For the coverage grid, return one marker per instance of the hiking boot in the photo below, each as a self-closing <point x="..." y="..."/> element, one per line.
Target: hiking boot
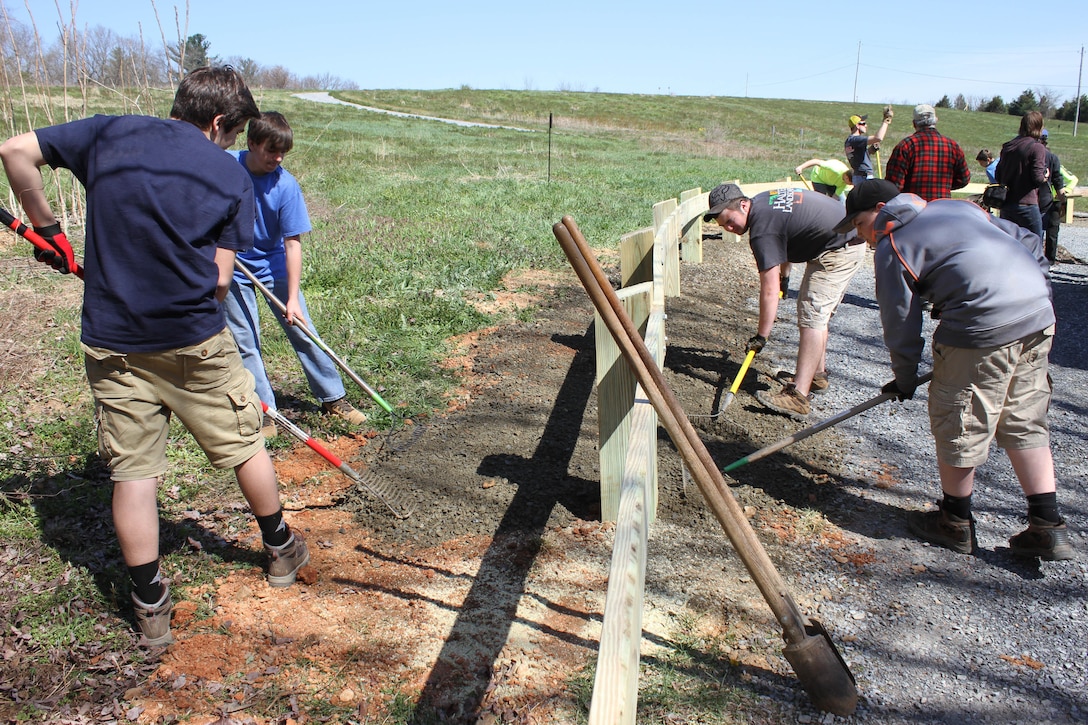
<point x="786" y="401"/>
<point x="268" y="427"/>
<point x="285" y="561"/>
<point x="819" y="380"/>
<point x="154" y="619"/>
<point x="341" y="408"/>
<point x="943" y="529"/>
<point x="1044" y="540"/>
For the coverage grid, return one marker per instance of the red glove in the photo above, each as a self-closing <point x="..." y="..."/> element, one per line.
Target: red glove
<point x="61" y="257"/>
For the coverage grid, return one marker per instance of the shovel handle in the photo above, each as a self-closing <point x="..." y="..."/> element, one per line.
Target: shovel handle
<point x="313" y="336"/>
<point x="705" y="472"/>
<point x="806" y="432"/>
<point x="13" y="223"/>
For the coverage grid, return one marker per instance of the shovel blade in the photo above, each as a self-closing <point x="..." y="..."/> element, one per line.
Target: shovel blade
<point x="822" y="671"/>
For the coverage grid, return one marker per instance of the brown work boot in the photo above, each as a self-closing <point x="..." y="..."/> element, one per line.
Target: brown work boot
<point x="268" y="427"/>
<point x="341" y="408"/>
<point x="154" y="619"/>
<point x="819" y="380"/>
<point x="285" y="561"/>
<point x="1044" y="540"/>
<point x="786" y="401"/>
<point x="943" y="529"/>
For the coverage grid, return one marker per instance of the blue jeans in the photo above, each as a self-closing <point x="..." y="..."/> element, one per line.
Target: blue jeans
<point x="241" y="308"/>
<point x="1026" y="216"/>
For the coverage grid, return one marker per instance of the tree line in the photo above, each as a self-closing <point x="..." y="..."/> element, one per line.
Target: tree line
<point x="98" y="56"/>
<point x="1044" y="102"/>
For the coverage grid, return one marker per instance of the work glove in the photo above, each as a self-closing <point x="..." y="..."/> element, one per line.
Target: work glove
<point x="888" y="113"/>
<point x="755" y="344"/>
<point x="893" y="389"/>
<point x="60" y="257"/>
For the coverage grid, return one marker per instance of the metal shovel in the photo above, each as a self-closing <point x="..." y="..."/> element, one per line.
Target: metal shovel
<point x="809" y="649"/>
<point x="732" y="392"/>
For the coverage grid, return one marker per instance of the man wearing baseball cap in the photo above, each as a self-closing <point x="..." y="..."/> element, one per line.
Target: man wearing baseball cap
<point x="784" y="226"/>
<point x="858" y="142"/>
<point x="990" y="350"/>
<point x="927" y="163"/>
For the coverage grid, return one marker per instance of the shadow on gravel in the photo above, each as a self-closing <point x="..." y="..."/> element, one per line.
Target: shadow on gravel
<point x="1070" y="302"/>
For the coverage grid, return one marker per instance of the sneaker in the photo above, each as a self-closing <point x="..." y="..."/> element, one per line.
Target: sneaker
<point x="268" y="427"/>
<point x="285" y="561"/>
<point x="341" y="408"/>
<point x="819" y="380"/>
<point x="943" y="529"/>
<point x="154" y="619"/>
<point x="786" y="401"/>
<point x="1044" y="540"/>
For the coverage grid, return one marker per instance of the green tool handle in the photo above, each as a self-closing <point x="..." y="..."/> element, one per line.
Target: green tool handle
<point x="313" y="336"/>
<point x="805" y="433"/>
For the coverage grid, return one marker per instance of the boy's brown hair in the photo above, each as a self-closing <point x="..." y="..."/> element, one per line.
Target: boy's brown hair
<point x="211" y="91"/>
<point x="271" y="126"/>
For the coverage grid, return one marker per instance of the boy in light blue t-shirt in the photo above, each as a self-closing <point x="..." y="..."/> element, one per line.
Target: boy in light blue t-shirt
<point x="276" y="261"/>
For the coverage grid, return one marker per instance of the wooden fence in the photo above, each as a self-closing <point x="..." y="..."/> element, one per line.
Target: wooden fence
<point x="627" y="424"/>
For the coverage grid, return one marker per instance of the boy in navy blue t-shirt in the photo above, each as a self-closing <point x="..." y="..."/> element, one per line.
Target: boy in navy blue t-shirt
<point x="167" y="210"/>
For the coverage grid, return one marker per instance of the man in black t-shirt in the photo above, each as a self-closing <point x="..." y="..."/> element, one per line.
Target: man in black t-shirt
<point x="785" y="226"/>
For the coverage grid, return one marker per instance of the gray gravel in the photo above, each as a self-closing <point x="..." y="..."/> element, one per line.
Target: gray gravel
<point x="933" y="636"/>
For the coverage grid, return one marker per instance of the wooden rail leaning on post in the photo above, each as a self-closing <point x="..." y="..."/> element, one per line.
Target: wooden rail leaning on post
<point x="818" y="665"/>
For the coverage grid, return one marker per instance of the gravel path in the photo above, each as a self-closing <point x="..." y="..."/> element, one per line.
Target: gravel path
<point x="933" y="636"/>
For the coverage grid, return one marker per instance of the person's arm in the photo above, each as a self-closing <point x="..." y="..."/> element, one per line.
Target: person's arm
<point x="896" y="170"/>
<point x="1039" y="171"/>
<point x="224" y="259"/>
<point x="293" y="248"/>
<point x="23" y="159"/>
<point x="769" y="286"/>
<point x="807" y="165"/>
<point x="877" y="137"/>
<point x="961" y="174"/>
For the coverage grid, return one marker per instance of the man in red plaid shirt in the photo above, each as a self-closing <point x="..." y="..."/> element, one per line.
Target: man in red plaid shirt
<point x="927" y="163"/>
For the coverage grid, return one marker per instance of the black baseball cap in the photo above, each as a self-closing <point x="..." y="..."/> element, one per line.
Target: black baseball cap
<point x="720" y="196"/>
<point x="864" y="197"/>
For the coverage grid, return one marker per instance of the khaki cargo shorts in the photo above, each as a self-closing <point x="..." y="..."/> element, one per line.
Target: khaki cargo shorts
<point x="824" y="284"/>
<point x="205" y="385"/>
<point x="1002" y="394"/>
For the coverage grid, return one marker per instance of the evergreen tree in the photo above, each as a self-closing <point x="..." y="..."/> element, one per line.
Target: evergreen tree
<point x="1024" y="104"/>
<point x="994" y="105"/>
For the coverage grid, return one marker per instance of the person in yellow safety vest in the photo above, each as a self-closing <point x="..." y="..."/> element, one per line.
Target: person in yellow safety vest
<point x="828" y="176"/>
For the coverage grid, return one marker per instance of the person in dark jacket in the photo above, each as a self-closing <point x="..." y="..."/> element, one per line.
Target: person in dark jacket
<point x="1050" y="201"/>
<point x="990" y="350"/>
<point x="1023" y="170"/>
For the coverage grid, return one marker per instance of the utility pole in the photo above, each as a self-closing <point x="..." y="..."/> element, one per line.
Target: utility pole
<point x="857" y="67"/>
<point x="1076" y="116"/>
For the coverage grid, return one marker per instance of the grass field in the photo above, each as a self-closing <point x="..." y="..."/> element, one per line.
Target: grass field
<point x="415" y="222"/>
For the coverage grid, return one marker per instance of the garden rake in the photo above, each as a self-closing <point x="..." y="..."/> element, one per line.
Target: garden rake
<point x="383" y="490"/>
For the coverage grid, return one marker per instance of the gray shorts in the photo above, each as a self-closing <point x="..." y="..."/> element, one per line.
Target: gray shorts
<point x="824" y="284"/>
<point x="205" y="385"/>
<point x="978" y="396"/>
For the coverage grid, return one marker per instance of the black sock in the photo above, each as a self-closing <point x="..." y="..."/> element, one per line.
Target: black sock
<point x="146" y="582"/>
<point x="274" y="529"/>
<point x="958" y="506"/>
<point x="1044" y="506"/>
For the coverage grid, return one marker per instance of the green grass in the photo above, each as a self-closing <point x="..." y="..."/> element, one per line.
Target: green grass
<point x="413" y="220"/>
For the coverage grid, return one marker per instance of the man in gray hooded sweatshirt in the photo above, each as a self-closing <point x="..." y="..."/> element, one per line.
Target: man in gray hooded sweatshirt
<point x="990" y="350"/>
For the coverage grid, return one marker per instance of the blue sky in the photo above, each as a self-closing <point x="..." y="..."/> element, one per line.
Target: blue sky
<point x="908" y="53"/>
